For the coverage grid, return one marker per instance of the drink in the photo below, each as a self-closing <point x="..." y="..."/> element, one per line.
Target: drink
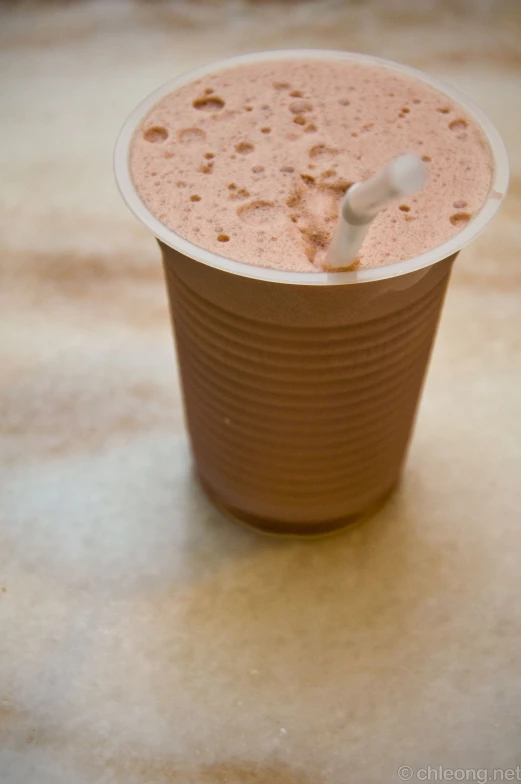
<point x="252" y="162"/>
<point x="300" y="387"/>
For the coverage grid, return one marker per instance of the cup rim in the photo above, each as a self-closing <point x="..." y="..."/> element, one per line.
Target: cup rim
<point x="497" y="191"/>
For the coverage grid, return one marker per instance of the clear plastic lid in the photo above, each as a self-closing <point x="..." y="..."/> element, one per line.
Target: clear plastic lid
<point x="498" y="187"/>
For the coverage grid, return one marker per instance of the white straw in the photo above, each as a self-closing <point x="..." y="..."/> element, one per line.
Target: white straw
<point x="401" y="177"/>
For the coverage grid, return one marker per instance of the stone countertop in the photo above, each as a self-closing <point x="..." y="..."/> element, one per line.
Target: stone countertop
<point x="144" y="638"/>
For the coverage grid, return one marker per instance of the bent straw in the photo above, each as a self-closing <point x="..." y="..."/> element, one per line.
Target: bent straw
<point x="401" y="177"/>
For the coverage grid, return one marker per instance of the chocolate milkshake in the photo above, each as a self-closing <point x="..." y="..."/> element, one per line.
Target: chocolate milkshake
<point x="252" y="162"/>
<point x="301" y="387"/>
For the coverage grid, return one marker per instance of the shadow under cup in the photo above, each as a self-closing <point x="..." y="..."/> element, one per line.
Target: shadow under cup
<point x="301" y="389"/>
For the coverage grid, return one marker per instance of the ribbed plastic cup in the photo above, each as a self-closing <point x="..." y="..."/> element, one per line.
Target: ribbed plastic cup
<point x="301" y="389"/>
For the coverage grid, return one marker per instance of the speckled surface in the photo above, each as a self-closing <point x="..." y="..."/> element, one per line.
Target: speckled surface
<point x="259" y="157"/>
<point x="144" y="637"/>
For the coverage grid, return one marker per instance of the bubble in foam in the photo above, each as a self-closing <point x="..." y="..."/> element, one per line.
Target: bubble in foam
<point x="458" y="125"/>
<point x="344" y="102"/>
<point x="300" y="107"/>
<point x="322" y="151"/>
<point x="223" y="117"/>
<point x="426" y="158"/>
<point x="460" y="219"/>
<point x="281" y="85"/>
<point x="244" y="148"/>
<point x="443" y="109"/>
<point x="239" y="195"/>
<point x="308" y="179"/>
<point x="209" y="156"/>
<point x="209" y="103"/>
<point x="266" y="129"/>
<point x="296" y="93"/>
<point x="223" y="238"/>
<point x="405" y="208"/>
<point x="156" y="134"/>
<point x="195" y="197"/>
<point x="310" y="128"/>
<point x="258" y="213"/>
<point x="300" y="119"/>
<point x="257" y="169"/>
<point x="460" y="204"/>
<point x="191" y="135"/>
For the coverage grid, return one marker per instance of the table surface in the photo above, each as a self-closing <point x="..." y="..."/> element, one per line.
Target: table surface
<point x="144" y="638"/>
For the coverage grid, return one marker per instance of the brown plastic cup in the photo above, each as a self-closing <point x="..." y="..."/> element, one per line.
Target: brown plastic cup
<point x="301" y="389"/>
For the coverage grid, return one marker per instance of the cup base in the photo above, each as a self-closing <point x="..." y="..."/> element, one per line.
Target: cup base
<point x="281" y="528"/>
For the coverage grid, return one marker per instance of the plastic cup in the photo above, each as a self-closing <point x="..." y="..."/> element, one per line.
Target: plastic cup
<point x="301" y="389"/>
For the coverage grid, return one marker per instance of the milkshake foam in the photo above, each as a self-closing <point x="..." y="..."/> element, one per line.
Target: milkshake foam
<point x="252" y="162"/>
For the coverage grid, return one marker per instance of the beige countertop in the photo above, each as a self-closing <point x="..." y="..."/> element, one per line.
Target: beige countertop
<point x="144" y="639"/>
